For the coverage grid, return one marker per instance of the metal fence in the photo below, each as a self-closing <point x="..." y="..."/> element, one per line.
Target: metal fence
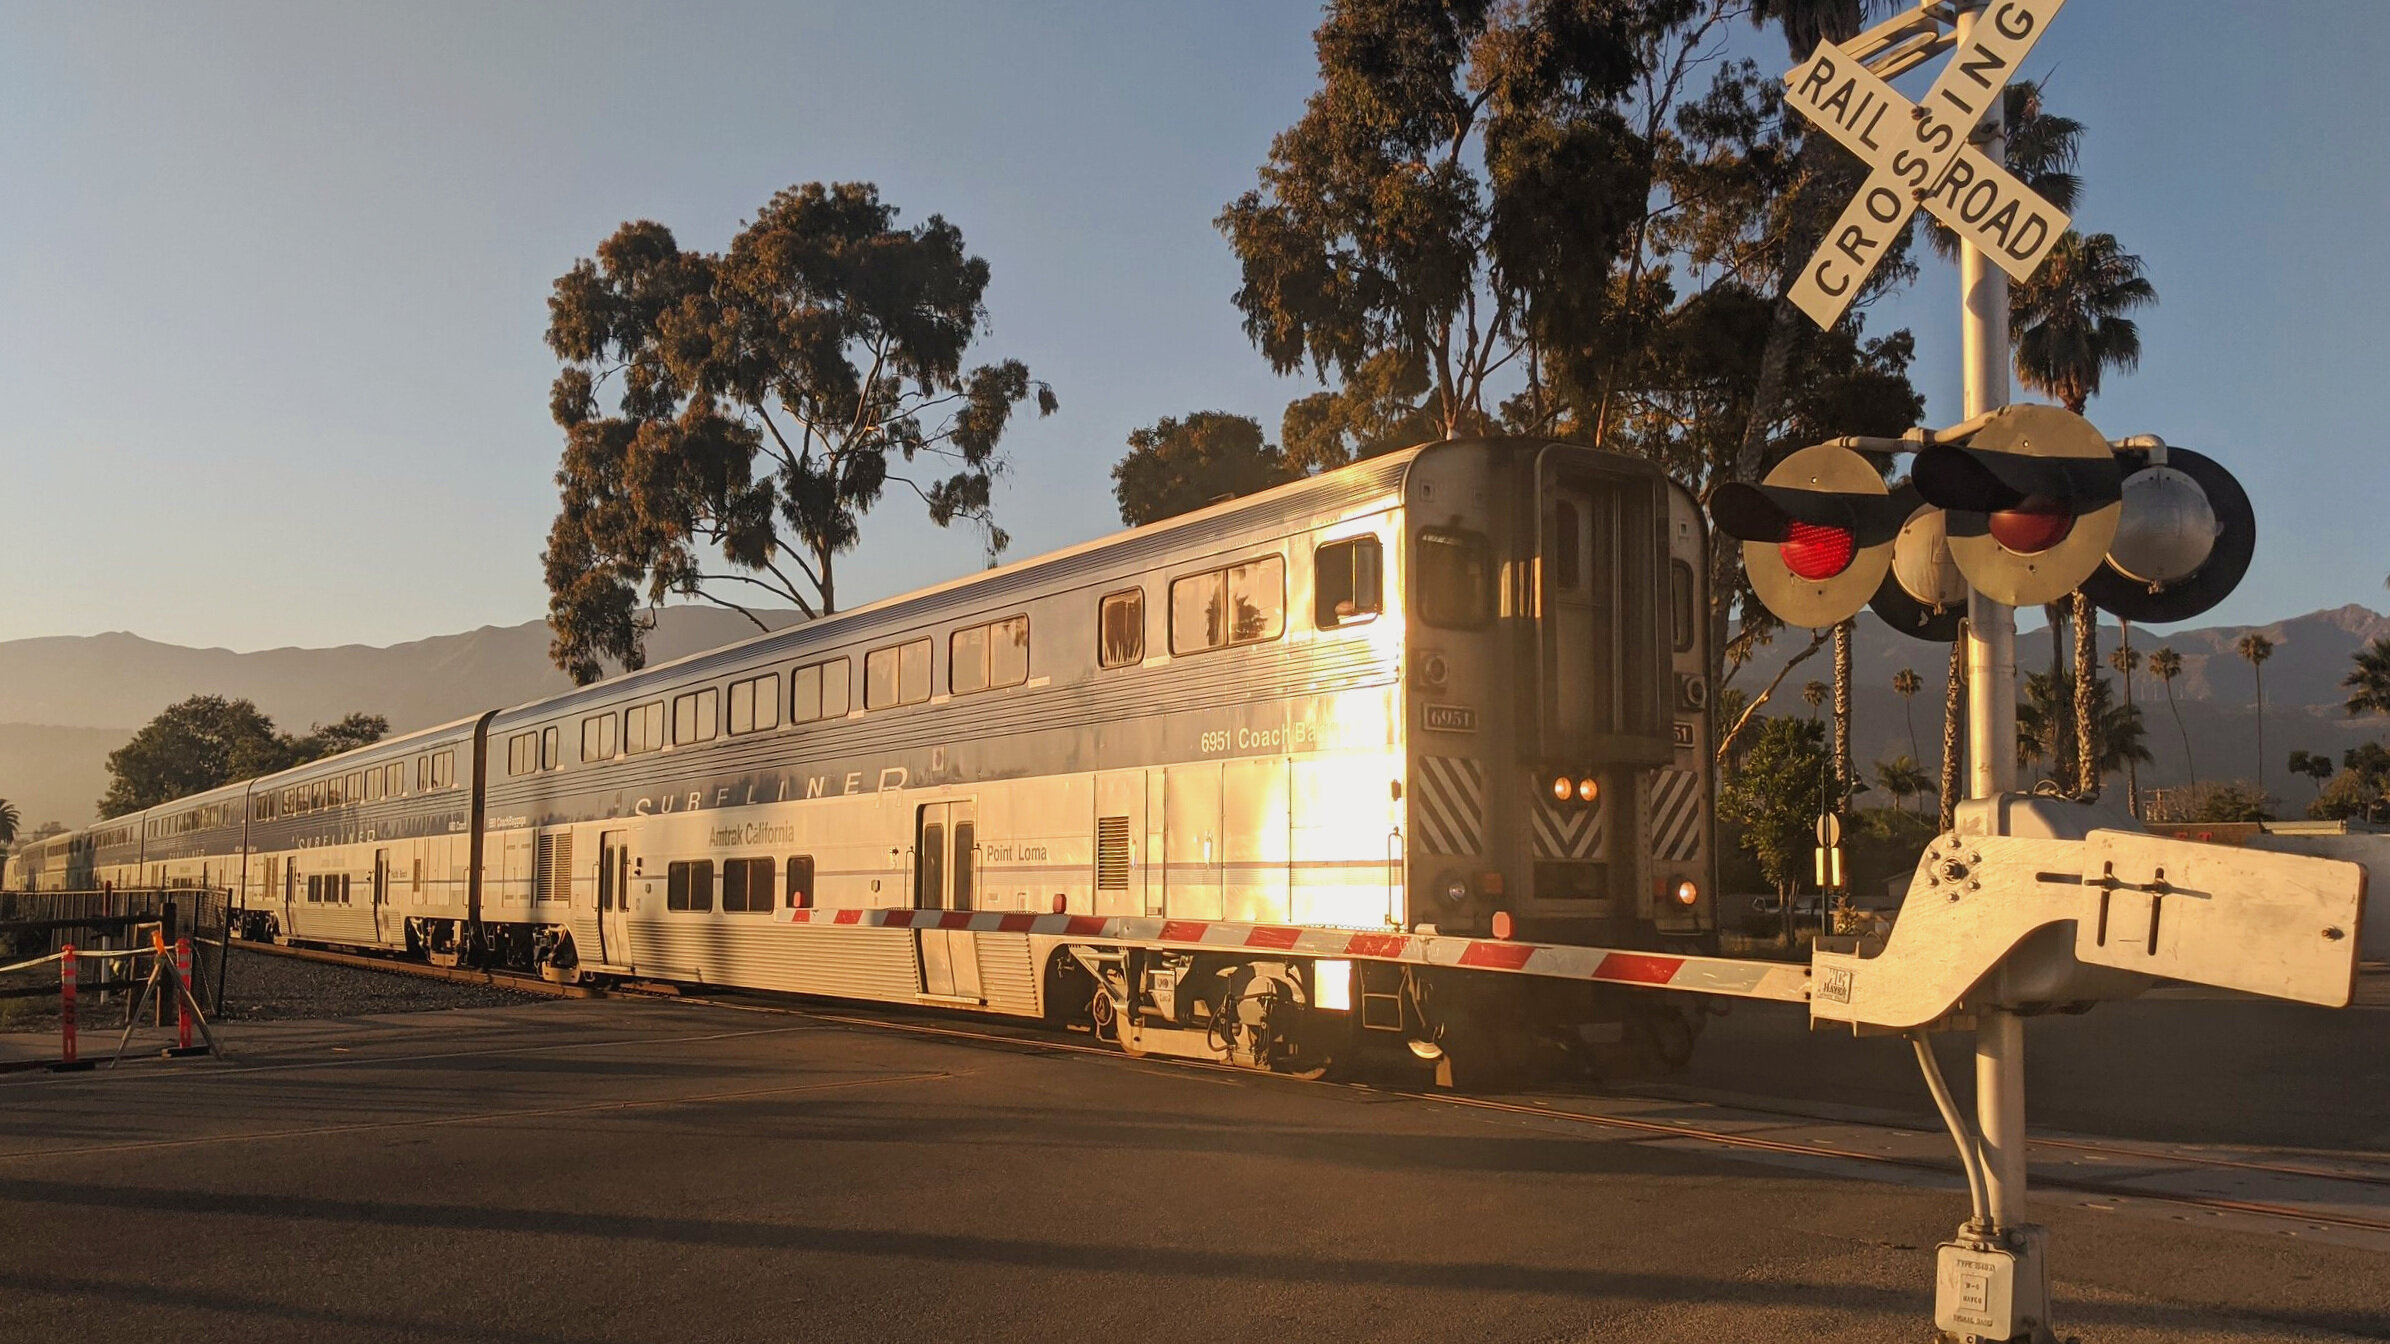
<point x="38" y="923"/>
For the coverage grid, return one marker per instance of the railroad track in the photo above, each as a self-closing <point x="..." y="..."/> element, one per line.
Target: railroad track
<point x="1024" y="1037"/>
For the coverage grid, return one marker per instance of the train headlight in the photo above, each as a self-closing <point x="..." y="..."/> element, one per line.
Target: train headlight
<point x="1456" y="889"/>
<point x="1563" y="789"/>
<point x="1687" y="892"/>
<point x="1588" y="789"/>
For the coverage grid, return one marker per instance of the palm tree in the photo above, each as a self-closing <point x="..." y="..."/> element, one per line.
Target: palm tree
<point x="2165" y="664"/>
<point x="2257" y="648"/>
<point x="2369" y="684"/>
<point x="1954" y="712"/>
<point x="2068" y="322"/>
<point x="1903" y="779"/>
<point x="2125" y="661"/>
<point x="1813" y="694"/>
<point x="1905" y="684"/>
<point x="8" y="822"/>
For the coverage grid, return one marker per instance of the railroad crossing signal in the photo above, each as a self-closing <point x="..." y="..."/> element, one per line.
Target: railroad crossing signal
<point x="2032" y="501"/>
<point x="2183" y="543"/>
<point x="1921" y="153"/>
<point x="1817" y="533"/>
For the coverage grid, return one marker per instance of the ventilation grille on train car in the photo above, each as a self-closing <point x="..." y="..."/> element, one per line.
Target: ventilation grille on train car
<point x="1112" y="854"/>
<point x="555" y="866"/>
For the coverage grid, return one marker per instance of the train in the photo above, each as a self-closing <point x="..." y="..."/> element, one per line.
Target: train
<point x="1457" y="690"/>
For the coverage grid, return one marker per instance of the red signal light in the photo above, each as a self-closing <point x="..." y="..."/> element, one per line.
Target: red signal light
<point x="2031" y="527"/>
<point x="1815" y="552"/>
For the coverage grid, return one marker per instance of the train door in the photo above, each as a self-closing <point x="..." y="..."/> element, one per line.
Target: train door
<point x="945" y="877"/>
<point x="1191" y="841"/>
<point x="290" y="910"/>
<point x="613" y="899"/>
<point x="382" y="919"/>
<point x="1582" y="587"/>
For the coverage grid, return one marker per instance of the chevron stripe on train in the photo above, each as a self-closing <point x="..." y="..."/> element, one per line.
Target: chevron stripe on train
<point x="1786" y="983"/>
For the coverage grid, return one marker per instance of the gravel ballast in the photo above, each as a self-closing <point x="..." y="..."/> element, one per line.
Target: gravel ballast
<point x="262" y="987"/>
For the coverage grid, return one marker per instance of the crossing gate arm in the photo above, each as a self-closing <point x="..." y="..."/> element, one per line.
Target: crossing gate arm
<point x="2005" y="921"/>
<point x="1779" y="981"/>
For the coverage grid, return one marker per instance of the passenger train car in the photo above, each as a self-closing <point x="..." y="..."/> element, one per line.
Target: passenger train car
<point x="1457" y="689"/>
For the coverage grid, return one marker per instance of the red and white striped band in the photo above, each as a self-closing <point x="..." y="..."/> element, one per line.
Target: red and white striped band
<point x="1788" y="983"/>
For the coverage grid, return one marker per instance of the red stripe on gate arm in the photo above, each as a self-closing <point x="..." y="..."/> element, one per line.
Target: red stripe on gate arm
<point x="1496" y="956"/>
<point x="955" y="919"/>
<point x="849" y="917"/>
<point x="1086" y="926"/>
<point x="1638" y="968"/>
<point x="1376" y="945"/>
<point x="1016" y="923"/>
<point x="1271" y="935"/>
<point x="1182" y="930"/>
<point x="897" y="919"/>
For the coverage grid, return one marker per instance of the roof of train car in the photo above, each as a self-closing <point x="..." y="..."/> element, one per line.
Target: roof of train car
<point x="455" y="730"/>
<point x="1371" y="479"/>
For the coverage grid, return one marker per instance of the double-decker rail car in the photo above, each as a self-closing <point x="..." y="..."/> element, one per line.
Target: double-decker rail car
<point x="373" y="848"/>
<point x="1453" y="690"/>
<point x="196" y="841"/>
<point x="43" y="865"/>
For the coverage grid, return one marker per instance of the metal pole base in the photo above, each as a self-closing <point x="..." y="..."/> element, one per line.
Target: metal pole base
<point x="1994" y="1286"/>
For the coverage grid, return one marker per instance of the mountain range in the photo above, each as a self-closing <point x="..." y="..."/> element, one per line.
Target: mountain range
<point x="67" y="701"/>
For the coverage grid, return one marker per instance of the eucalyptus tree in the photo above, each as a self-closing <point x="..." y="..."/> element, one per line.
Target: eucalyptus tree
<point x="764" y="399"/>
<point x="1175" y="466"/>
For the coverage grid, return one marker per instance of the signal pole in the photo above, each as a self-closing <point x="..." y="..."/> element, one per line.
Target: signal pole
<point x="1991" y="695"/>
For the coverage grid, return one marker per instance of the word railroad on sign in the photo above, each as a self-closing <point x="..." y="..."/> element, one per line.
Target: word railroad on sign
<point x="1921" y="153"/>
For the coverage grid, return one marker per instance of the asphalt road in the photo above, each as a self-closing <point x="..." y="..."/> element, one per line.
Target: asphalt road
<point x="576" y="1172"/>
<point x="2186" y="1066"/>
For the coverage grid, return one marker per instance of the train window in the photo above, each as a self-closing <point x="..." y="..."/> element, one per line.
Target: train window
<point x="423" y="774"/>
<point x="747" y="886"/>
<point x="315" y="887"/>
<point x="820" y="691"/>
<point x="549" y="745"/>
<point x="800" y="881"/>
<point x="319" y="795"/>
<point x="597" y="738"/>
<point x="522" y="754"/>
<point x="1123" y="638"/>
<point x="696" y="717"/>
<point x="643" y="728"/>
<point x="689" y="886"/>
<point x="967" y="660"/>
<point x="443" y="769"/>
<point x="356" y="788"/>
<point x="1453" y="571"/>
<point x="1347" y="582"/>
<point x="1242" y="604"/>
<point x="896" y="675"/>
<point x="755" y="704"/>
<point x="1681" y="620"/>
<point x="373" y="786"/>
<point x="394" y="780"/>
<point x="290" y="801"/>
<point x="988" y="657"/>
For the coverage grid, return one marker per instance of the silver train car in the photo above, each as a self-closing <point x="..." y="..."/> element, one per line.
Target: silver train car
<point x="1457" y="689"/>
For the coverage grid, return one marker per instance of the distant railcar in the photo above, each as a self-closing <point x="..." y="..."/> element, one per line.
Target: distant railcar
<point x="1456" y="689"/>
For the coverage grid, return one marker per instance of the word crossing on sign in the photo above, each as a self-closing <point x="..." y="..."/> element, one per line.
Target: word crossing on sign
<point x="1920" y="154"/>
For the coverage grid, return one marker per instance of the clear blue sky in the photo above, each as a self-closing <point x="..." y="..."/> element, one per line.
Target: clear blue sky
<point x="273" y="278"/>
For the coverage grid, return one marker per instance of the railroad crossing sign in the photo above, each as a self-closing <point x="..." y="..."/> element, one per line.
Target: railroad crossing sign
<point x="1922" y="154"/>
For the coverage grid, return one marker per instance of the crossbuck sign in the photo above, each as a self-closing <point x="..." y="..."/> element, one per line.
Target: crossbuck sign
<point x="1922" y="154"/>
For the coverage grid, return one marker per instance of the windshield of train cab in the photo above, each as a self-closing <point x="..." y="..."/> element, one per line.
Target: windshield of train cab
<point x="1454" y="578"/>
